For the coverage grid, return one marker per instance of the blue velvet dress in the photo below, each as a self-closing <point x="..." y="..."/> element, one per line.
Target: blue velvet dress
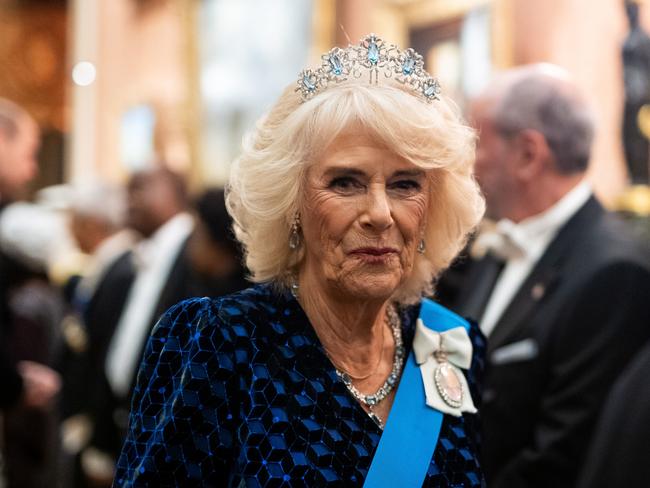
<point x="238" y="391"/>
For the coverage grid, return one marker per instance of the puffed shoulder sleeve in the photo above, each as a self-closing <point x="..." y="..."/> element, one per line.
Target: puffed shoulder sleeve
<point x="183" y="411"/>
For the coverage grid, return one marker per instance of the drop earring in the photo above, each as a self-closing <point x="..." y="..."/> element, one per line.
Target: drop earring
<point x="294" y="287"/>
<point x="421" y="246"/>
<point x="294" y="236"/>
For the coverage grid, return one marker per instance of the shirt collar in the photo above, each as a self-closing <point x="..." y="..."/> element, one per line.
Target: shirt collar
<point x="174" y="230"/>
<point x="541" y="228"/>
<point x="113" y="245"/>
<point x="178" y="223"/>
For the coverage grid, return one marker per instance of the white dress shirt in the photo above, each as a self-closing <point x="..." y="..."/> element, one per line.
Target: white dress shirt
<point x="154" y="258"/>
<point x="529" y="239"/>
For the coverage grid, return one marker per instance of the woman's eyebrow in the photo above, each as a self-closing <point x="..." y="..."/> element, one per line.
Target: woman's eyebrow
<point x="414" y="173"/>
<point x="339" y="171"/>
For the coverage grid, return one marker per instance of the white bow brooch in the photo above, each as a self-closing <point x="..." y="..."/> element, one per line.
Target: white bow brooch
<point x="440" y="357"/>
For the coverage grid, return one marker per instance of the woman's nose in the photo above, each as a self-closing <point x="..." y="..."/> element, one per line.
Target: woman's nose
<point x="377" y="214"/>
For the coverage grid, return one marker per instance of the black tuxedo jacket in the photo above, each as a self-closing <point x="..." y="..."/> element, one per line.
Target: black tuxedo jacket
<point x="619" y="451"/>
<point x="101" y="317"/>
<point x="583" y="311"/>
<point x="110" y="412"/>
<point x="13" y="274"/>
<point x="11" y="383"/>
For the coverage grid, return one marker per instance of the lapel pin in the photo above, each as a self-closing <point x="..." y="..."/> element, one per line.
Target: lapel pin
<point x="537" y="292"/>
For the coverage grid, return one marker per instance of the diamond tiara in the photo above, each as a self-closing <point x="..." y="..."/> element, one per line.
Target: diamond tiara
<point x="372" y="54"/>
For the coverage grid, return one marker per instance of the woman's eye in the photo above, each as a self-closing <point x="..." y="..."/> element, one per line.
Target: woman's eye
<point x="406" y="186"/>
<point x="345" y="183"/>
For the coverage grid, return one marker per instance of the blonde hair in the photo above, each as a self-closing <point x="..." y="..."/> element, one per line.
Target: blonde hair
<point x="266" y="180"/>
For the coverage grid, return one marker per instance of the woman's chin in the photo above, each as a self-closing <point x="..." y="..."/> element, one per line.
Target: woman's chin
<point x="372" y="287"/>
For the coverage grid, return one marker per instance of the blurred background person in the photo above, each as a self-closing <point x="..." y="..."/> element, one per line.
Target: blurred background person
<point x="19" y="144"/>
<point x="177" y="257"/>
<point x="562" y="290"/>
<point x="133" y="291"/>
<point x="97" y="222"/>
<point x="28" y="310"/>
<point x="18" y="147"/>
<point x="31" y="234"/>
<point x="97" y="219"/>
<point x="216" y="258"/>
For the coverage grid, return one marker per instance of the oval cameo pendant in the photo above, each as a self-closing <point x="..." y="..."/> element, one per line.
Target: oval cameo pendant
<point x="448" y="385"/>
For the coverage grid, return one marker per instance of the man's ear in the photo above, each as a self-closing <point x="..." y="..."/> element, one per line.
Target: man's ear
<point x="534" y="154"/>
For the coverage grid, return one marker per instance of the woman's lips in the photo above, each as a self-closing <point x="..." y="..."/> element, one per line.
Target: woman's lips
<point x="375" y="251"/>
<point x="374" y="254"/>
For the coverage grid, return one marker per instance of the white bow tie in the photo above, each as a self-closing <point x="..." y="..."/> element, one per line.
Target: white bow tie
<point x="458" y="350"/>
<point x="502" y="239"/>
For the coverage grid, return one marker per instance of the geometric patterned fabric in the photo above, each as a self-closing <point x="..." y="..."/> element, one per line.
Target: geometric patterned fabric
<point x="238" y="391"/>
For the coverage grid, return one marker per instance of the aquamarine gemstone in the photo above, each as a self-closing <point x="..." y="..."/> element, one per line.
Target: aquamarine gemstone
<point x="373" y="53"/>
<point x="336" y="65"/>
<point x="307" y="83"/>
<point x="371" y="400"/>
<point x="408" y="65"/>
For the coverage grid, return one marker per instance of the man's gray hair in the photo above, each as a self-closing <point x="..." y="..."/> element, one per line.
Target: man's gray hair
<point x="100" y="201"/>
<point x="546" y="104"/>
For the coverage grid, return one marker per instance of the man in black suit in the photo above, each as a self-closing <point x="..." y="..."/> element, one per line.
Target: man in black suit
<point x="619" y="451"/>
<point x="27" y="387"/>
<point x="32" y="383"/>
<point x="562" y="292"/>
<point x="133" y="293"/>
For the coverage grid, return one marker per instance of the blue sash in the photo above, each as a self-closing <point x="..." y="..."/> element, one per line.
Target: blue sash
<point x="410" y="436"/>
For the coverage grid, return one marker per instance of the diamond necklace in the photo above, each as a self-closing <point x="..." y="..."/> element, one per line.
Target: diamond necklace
<point x="384" y="390"/>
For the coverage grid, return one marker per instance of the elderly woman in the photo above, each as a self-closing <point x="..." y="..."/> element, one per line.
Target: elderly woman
<point x="350" y="196"/>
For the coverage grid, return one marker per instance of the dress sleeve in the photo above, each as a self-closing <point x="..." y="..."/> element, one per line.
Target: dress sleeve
<point x="475" y="372"/>
<point x="181" y="428"/>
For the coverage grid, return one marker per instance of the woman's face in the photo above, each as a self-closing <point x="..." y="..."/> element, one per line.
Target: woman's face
<point x="362" y="218"/>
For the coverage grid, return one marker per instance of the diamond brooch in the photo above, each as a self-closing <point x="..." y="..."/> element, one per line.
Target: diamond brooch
<point x="446" y="379"/>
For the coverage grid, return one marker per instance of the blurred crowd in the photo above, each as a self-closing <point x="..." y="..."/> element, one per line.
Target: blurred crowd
<point x="84" y="274"/>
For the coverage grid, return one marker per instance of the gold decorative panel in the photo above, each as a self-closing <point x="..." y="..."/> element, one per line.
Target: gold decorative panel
<point x="33" y="60"/>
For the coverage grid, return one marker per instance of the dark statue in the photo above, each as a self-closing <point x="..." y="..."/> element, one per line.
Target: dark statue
<point x="636" y="73"/>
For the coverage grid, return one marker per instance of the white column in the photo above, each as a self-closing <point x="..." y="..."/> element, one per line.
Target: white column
<point x="81" y="152"/>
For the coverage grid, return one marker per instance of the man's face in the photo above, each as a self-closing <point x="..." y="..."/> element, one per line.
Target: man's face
<point x="18" y="163"/>
<point x="151" y="202"/>
<point x="495" y="162"/>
